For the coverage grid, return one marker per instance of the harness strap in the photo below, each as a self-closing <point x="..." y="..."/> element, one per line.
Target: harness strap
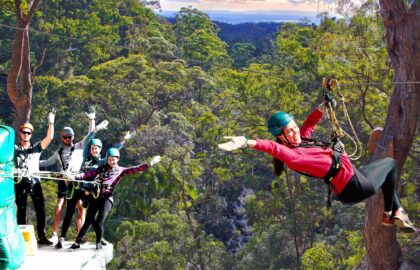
<point x="334" y="169"/>
<point x="335" y="165"/>
<point x="60" y="153"/>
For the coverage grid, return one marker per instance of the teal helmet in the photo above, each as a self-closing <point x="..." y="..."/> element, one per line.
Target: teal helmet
<point x="112" y="152"/>
<point x="96" y="142"/>
<point x="277" y="122"/>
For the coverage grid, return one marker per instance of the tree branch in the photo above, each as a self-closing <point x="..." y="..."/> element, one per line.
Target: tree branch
<point x="31" y="12"/>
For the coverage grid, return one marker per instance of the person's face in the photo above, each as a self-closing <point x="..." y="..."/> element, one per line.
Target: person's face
<point x="25" y="134"/>
<point x="291" y="133"/>
<point x="67" y="139"/>
<point x="113" y="161"/>
<point x="95" y="150"/>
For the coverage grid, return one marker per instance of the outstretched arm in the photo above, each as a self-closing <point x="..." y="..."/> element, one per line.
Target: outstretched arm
<point x="141" y="167"/>
<point x="50" y="133"/>
<point x="50" y="161"/>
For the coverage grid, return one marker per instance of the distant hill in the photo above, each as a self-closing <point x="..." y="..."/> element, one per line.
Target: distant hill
<point x="259" y="34"/>
<point x="254" y="16"/>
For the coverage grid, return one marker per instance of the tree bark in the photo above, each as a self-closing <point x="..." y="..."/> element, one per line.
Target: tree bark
<point x="401" y="24"/>
<point x="19" y="79"/>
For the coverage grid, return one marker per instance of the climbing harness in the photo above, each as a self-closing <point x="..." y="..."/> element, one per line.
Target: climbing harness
<point x="335" y="165"/>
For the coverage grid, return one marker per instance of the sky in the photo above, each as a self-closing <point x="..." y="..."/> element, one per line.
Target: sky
<point x="250" y="5"/>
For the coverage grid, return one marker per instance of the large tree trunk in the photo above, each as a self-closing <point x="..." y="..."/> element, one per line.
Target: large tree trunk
<point x="19" y="80"/>
<point x="402" y="26"/>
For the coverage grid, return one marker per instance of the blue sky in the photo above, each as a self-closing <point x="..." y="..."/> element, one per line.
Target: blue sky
<point x="251" y="5"/>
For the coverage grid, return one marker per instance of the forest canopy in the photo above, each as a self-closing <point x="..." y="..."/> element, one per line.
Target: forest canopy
<point x="182" y="87"/>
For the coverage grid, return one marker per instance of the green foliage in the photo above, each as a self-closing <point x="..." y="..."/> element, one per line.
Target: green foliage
<point x="197" y="38"/>
<point x="242" y="54"/>
<point x="200" y="205"/>
<point x="318" y="257"/>
<point x="164" y="241"/>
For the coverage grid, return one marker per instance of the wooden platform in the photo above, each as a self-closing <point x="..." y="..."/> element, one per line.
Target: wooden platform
<point x="86" y="258"/>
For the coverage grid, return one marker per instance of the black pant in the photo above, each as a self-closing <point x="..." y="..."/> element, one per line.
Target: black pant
<point x="22" y="190"/>
<point x="96" y="214"/>
<point x="71" y="206"/>
<point x="378" y="174"/>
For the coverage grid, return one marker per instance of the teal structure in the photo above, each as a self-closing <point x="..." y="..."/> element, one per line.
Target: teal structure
<point x="12" y="245"/>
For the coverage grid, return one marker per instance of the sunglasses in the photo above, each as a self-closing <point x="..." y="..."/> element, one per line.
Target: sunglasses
<point x="26" y="132"/>
<point x="67" y="137"/>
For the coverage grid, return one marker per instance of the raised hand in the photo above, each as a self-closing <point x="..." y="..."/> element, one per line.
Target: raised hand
<point x="130" y="135"/>
<point x="51" y="116"/>
<point x="235" y="142"/>
<point x="155" y="159"/>
<point x="103" y="125"/>
<point x="92" y="113"/>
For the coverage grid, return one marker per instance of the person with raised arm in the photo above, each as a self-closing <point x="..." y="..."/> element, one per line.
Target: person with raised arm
<point x="26" y="161"/>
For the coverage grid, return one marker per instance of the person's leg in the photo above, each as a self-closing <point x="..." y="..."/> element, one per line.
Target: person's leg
<point x="383" y="174"/>
<point x="104" y="209"/>
<point x="98" y="224"/>
<point x="80" y="215"/>
<point x="39" y="205"/>
<point x="58" y="213"/>
<point x="71" y="206"/>
<point x="90" y="217"/>
<point x="21" y="197"/>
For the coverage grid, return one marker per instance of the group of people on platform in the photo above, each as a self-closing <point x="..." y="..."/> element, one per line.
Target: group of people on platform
<point x="92" y="179"/>
<point x="88" y="180"/>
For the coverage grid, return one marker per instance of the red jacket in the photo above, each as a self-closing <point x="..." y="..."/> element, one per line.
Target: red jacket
<point x="315" y="161"/>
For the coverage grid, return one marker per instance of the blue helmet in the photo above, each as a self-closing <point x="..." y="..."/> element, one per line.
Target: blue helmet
<point x="112" y="152"/>
<point x="96" y="142"/>
<point x="277" y="122"/>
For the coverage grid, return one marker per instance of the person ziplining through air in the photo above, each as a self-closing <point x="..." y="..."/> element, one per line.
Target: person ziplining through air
<point x="293" y="147"/>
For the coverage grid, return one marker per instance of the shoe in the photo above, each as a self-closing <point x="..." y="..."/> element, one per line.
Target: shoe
<point x="43" y="241"/>
<point x="104" y="242"/>
<point x="401" y="220"/>
<point x="74" y="246"/>
<point x="59" y="244"/>
<point x="53" y="238"/>
<point x="387" y="220"/>
<point x="98" y="246"/>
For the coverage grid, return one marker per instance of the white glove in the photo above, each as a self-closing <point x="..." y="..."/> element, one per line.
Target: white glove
<point x="130" y="135"/>
<point x="51" y="116"/>
<point x="235" y="142"/>
<point x="322" y="108"/>
<point x="155" y="159"/>
<point x="103" y="125"/>
<point x="92" y="113"/>
<point x="69" y="176"/>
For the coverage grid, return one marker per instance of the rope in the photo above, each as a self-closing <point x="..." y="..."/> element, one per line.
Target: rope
<point x="337" y="131"/>
<point x="50" y="175"/>
<point x="357" y="144"/>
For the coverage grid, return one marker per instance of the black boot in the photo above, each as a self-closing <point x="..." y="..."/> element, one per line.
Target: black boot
<point x="98" y="246"/>
<point x="74" y="246"/>
<point x="103" y="242"/>
<point x="43" y="241"/>
<point x="59" y="244"/>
